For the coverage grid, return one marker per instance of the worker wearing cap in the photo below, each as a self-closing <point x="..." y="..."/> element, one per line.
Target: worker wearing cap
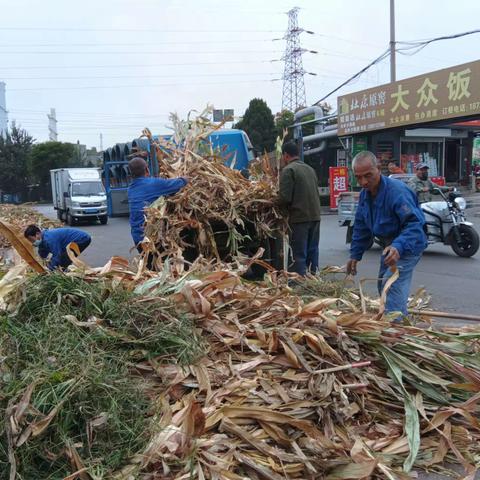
<point x="143" y="191"/>
<point x="422" y="185"/>
<point x="388" y="211"/>
<point x="55" y="242"/>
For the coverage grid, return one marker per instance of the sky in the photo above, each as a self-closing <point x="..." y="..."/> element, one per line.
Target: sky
<point x="113" y="67"/>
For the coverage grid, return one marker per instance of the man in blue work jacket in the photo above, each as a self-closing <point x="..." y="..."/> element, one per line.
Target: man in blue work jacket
<point x="55" y="241"/>
<point x="143" y="191"/>
<point x="388" y="210"/>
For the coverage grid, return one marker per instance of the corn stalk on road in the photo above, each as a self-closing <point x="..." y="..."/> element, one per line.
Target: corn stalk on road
<point x="453" y="282"/>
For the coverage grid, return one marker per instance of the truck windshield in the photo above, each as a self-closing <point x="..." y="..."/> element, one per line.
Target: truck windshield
<point x="87" y="188"/>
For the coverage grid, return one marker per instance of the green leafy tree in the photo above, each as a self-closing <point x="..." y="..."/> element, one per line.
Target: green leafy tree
<point x="47" y="156"/>
<point x="258" y="123"/>
<point x="15" y="148"/>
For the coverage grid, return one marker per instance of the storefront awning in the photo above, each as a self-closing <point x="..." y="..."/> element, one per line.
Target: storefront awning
<point x="470" y="123"/>
<point x="449" y="94"/>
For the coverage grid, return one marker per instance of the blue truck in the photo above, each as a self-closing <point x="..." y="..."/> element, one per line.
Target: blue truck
<point x="234" y="146"/>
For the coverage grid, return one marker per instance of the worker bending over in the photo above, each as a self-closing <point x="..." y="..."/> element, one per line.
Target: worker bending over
<point x="55" y="241"/>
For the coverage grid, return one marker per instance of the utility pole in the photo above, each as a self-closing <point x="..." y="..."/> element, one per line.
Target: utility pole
<point x="293" y="96"/>
<point x="393" y="73"/>
<point x="101" y="142"/>
<point x="52" y="125"/>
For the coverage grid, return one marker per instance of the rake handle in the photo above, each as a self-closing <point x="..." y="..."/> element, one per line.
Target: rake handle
<point x="437" y="314"/>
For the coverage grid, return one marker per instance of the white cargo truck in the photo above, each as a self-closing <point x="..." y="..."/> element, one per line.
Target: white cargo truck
<point x="78" y="193"/>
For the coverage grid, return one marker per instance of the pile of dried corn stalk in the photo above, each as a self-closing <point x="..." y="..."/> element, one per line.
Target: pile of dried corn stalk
<point x="290" y="387"/>
<point x="219" y="211"/>
<point x="20" y="216"/>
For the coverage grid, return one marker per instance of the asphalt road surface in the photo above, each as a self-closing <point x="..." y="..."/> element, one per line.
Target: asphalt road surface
<point x="453" y="282"/>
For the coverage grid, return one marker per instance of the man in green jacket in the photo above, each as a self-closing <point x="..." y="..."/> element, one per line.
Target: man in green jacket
<point x="299" y="195"/>
<point x="423" y="186"/>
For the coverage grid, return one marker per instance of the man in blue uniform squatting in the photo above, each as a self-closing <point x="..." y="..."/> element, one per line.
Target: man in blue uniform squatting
<point x="55" y="241"/>
<point x="142" y="192"/>
<point x="388" y="210"/>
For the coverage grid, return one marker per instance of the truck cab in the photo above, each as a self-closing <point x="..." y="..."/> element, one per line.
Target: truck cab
<point x="234" y="145"/>
<point x="79" y="194"/>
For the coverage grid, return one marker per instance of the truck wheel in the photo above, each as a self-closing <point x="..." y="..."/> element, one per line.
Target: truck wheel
<point x="104" y="219"/>
<point x="469" y="241"/>
<point x="70" y="219"/>
<point x="59" y="215"/>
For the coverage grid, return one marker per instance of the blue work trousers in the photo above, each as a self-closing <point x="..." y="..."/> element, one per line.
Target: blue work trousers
<point x="304" y="240"/>
<point x="397" y="296"/>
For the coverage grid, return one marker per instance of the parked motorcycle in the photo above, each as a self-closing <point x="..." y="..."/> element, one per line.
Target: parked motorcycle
<point x="446" y="223"/>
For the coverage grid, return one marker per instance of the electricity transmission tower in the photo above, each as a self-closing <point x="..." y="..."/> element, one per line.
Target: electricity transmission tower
<point x="293" y="96"/>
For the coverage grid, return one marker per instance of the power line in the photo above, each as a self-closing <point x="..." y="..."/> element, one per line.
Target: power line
<point x="384" y="55"/>
<point x="86" y="128"/>
<point x="88" y="120"/>
<point x="356" y="42"/>
<point x="436" y="39"/>
<point x="136" y="30"/>
<point x="94" y="87"/>
<point x="129" y="44"/>
<point x="195" y="75"/>
<point x="331" y="53"/>
<point x="152" y="52"/>
<point x="116" y="114"/>
<point x="179" y="64"/>
<point x="176" y="42"/>
<point x="36" y="67"/>
<point x="36" y="121"/>
<point x="416" y="46"/>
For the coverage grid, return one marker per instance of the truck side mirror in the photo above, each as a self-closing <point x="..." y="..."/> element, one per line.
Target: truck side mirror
<point x="66" y="195"/>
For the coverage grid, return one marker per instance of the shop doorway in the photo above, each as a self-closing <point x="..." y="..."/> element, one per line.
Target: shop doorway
<point x="422" y="151"/>
<point x="452" y="160"/>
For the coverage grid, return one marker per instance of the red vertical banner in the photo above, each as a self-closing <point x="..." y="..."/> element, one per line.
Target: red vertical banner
<point x="338" y="184"/>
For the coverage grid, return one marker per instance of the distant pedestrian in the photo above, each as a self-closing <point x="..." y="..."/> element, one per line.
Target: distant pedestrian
<point x="299" y="195"/>
<point x="394" y="169"/>
<point x="54" y="241"/>
<point x="388" y="211"/>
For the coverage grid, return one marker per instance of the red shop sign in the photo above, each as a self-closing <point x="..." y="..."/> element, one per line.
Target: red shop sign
<point x="338" y="184"/>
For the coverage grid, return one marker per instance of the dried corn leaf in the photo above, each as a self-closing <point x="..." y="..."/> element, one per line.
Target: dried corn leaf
<point x="19" y="217"/>
<point x="21" y="245"/>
